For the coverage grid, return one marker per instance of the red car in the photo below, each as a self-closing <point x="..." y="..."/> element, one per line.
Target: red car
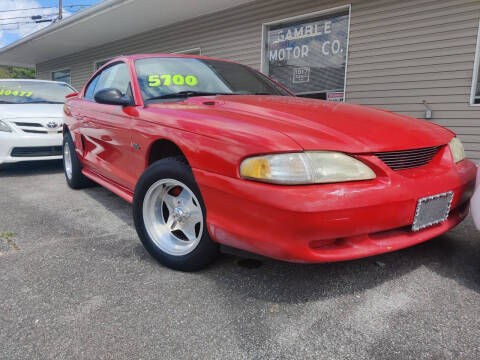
<point x="212" y="152"/>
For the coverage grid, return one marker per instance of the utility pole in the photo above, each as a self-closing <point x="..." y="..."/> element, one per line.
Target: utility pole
<point x="60" y="10"/>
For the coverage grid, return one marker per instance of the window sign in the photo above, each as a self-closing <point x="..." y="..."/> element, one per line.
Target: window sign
<point x="335" y="96"/>
<point x="309" y="56"/>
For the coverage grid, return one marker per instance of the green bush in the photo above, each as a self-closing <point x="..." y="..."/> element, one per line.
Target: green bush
<point x="14" y="72"/>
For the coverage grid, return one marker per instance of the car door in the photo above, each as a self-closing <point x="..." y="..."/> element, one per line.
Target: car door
<point x="106" y="129"/>
<point x="79" y="109"/>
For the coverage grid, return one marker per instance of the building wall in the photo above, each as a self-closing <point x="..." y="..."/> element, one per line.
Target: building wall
<point x="400" y="53"/>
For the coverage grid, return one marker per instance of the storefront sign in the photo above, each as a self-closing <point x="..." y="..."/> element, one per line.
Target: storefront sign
<point x="309" y="56"/>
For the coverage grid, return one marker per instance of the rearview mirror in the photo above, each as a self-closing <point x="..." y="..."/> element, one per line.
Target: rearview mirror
<point x="112" y="96"/>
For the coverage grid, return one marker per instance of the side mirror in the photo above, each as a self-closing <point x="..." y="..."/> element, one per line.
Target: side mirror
<point x="112" y="96"/>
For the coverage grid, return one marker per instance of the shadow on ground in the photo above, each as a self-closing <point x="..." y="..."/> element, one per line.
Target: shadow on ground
<point x="30" y="168"/>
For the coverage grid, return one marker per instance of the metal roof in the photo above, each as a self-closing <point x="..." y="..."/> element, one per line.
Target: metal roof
<point x="108" y="21"/>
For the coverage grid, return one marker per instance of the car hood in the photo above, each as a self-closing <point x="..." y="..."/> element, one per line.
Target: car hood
<point x="31" y="111"/>
<point x="323" y="125"/>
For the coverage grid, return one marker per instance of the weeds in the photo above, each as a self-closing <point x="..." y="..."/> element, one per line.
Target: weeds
<point x="11" y="243"/>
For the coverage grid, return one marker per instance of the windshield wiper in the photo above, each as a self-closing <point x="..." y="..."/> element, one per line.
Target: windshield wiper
<point x="191" y="93"/>
<point x="185" y="94"/>
<point x="6" y="102"/>
<point x="43" y="102"/>
<point x="250" y="93"/>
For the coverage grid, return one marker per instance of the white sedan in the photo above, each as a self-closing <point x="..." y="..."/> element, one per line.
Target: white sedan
<point x="31" y="122"/>
<point x="475" y="202"/>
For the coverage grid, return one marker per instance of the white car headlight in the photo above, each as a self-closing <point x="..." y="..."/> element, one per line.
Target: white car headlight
<point x="4" y="127"/>
<point x="314" y="167"/>
<point x="456" y="147"/>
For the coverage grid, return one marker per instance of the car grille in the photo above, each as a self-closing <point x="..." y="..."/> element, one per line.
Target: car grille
<point x="407" y="159"/>
<point x="34" y="131"/>
<point x="38" y="151"/>
<point x="35" y="128"/>
<point x="21" y="124"/>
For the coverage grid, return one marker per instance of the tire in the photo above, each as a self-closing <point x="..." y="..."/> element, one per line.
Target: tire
<point x="73" y="169"/>
<point x="170" y="216"/>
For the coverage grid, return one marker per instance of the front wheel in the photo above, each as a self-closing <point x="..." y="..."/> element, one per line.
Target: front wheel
<point x="170" y="216"/>
<point x="71" y="165"/>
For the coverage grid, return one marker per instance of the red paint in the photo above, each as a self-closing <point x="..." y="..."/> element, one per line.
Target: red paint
<point x="313" y="223"/>
<point x="71" y="95"/>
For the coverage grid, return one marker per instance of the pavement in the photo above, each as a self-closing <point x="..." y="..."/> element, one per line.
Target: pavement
<point x="75" y="283"/>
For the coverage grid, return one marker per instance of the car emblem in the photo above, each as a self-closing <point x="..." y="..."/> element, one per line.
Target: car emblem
<point x="52" y="125"/>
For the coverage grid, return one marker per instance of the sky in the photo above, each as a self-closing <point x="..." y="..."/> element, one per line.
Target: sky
<point x="11" y="28"/>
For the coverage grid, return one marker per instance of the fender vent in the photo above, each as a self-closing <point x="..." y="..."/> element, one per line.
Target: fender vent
<point x="407" y="159"/>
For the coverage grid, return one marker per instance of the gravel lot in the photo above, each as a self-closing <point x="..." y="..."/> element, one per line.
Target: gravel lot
<point x="75" y="283"/>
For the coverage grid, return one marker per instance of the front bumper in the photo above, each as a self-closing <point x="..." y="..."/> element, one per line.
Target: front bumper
<point x="333" y="222"/>
<point x="9" y="141"/>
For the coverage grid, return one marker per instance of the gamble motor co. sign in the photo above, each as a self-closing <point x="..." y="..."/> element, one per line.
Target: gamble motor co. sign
<point x="309" y="57"/>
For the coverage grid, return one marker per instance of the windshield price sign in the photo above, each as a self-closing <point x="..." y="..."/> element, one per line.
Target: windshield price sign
<point x="309" y="56"/>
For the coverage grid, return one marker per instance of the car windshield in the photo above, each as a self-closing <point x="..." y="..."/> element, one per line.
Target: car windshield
<point x="33" y="92"/>
<point x="166" y="77"/>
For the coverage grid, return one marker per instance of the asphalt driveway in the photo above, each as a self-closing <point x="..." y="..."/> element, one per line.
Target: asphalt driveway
<point x="75" y="283"/>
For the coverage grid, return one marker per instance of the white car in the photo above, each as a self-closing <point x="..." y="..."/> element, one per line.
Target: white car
<point x="475" y="202"/>
<point x="31" y="113"/>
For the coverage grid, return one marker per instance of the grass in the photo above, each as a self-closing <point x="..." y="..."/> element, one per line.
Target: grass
<point x="9" y="237"/>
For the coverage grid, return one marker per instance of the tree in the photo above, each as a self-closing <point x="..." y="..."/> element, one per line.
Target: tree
<point x="23" y="73"/>
<point x="15" y="72"/>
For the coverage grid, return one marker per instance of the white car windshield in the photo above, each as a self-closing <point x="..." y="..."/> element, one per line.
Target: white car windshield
<point x="33" y="92"/>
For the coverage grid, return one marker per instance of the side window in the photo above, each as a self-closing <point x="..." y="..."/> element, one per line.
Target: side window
<point x="475" y="97"/>
<point x="90" y="91"/>
<point x="62" y="75"/>
<point x="116" y="76"/>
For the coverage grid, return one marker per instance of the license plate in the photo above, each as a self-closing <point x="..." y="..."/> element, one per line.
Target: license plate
<point x="432" y="210"/>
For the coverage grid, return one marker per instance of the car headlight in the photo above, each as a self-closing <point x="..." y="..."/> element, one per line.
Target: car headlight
<point x="4" y="127"/>
<point x="314" y="167"/>
<point x="456" y="147"/>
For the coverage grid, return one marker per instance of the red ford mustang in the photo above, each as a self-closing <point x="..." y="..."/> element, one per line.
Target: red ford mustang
<point x="212" y="152"/>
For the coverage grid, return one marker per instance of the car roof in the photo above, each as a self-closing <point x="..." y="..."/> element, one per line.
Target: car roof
<point x="160" y="55"/>
<point x="36" y="80"/>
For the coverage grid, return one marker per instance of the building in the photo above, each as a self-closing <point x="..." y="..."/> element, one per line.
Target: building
<point x="415" y="57"/>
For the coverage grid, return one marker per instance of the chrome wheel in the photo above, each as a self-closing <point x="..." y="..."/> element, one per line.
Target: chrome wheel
<point x="67" y="160"/>
<point x="173" y="217"/>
